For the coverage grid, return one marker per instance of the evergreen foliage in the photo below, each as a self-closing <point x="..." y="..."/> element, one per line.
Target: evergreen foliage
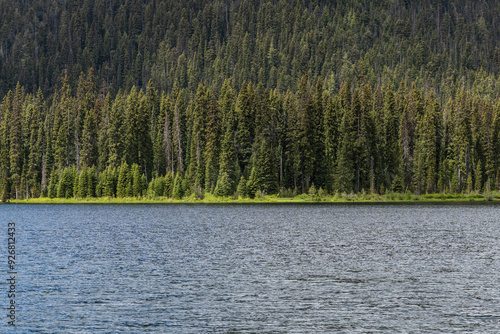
<point x="178" y="99"/>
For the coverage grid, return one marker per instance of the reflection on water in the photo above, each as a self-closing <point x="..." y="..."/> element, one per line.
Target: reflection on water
<point x="256" y="269"/>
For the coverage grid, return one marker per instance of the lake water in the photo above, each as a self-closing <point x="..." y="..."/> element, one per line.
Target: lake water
<point x="254" y="268"/>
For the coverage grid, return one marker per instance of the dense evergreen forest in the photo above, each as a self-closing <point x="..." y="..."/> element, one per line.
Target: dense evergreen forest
<point x="244" y="98"/>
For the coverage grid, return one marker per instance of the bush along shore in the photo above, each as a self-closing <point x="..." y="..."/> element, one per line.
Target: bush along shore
<point x="391" y="197"/>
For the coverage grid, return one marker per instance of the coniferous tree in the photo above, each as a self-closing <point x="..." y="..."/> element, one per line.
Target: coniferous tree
<point x="345" y="171"/>
<point x="83" y="183"/>
<point x="178" y="141"/>
<point x="305" y="113"/>
<point x="15" y="141"/>
<point x="35" y="148"/>
<point x="167" y="147"/>
<point x="116" y="132"/>
<point x="331" y="136"/>
<point x="390" y="144"/>
<point x="5" y="147"/>
<point x="103" y="134"/>
<point x="63" y="129"/>
<point x="212" y="139"/>
<point x="246" y="118"/>
<point x="227" y="171"/>
<point x="293" y="139"/>
<point x="197" y="162"/>
<point x="412" y="113"/>
<point x="366" y="143"/>
<point x="89" y="138"/>
<point x="462" y="142"/>
<point x="168" y="185"/>
<point x="178" y="189"/>
<point x="137" y="184"/>
<point x="53" y="184"/>
<point x="123" y="180"/>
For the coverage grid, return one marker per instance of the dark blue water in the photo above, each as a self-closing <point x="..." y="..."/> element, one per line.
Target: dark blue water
<point x="254" y="269"/>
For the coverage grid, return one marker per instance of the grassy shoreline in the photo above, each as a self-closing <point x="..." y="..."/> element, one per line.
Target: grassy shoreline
<point x="391" y="198"/>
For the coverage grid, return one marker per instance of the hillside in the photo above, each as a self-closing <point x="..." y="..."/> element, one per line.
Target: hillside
<point x="435" y="44"/>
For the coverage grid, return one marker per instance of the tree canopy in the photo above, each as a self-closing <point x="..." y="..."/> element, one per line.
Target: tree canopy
<point x="180" y="98"/>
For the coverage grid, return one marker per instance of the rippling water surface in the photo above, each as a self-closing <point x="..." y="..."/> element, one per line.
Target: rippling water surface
<point x="255" y="269"/>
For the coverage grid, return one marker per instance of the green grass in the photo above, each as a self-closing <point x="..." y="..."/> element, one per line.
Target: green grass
<point x="302" y="198"/>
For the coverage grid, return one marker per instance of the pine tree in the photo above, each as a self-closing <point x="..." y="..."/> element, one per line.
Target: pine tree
<point x="412" y="114"/>
<point x="65" y="129"/>
<point x="178" y="134"/>
<point x="490" y="129"/>
<point x="110" y="181"/>
<point x="366" y="142"/>
<point x="85" y="122"/>
<point x="123" y="180"/>
<point x="197" y="164"/>
<point x="177" y="190"/>
<point x="245" y="131"/>
<point x="91" y="181"/>
<point x="116" y="132"/>
<point x="53" y="184"/>
<point x="166" y="139"/>
<point x="131" y="127"/>
<point x="65" y="186"/>
<point x="318" y="102"/>
<point x="293" y="140"/>
<point x="462" y="141"/>
<point x="306" y="145"/>
<point x="169" y="184"/>
<point x="83" y="183"/>
<point x="102" y="134"/>
<point x="391" y="148"/>
<point x="89" y="138"/>
<point x="345" y="177"/>
<point x="227" y="170"/>
<point x="331" y="138"/>
<point x="137" y="185"/>
<point x="212" y="139"/>
<point x="5" y="147"/>
<point x="35" y="147"/>
<point x="264" y="176"/>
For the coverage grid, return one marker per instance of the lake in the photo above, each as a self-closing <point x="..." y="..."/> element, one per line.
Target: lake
<point x="254" y="268"/>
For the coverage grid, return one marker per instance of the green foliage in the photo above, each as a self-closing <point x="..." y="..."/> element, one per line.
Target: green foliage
<point x="66" y="180"/>
<point x="178" y="189"/>
<point x="124" y="180"/>
<point x="165" y="99"/>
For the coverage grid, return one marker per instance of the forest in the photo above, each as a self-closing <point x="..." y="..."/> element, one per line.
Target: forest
<point x="246" y="98"/>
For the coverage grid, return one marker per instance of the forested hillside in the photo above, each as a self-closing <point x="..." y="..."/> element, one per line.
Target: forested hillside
<point x="438" y="44"/>
<point x="180" y="98"/>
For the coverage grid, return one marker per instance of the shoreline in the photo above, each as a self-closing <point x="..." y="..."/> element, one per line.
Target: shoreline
<point x="337" y="199"/>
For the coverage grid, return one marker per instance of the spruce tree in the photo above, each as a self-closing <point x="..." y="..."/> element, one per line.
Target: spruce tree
<point x="390" y="144"/>
<point x="462" y="142"/>
<point x="245" y="114"/>
<point x="212" y="139"/>
<point x="123" y="180"/>
<point x="83" y="183"/>
<point x="35" y="146"/>
<point x="331" y="138"/>
<point x="226" y="181"/>
<point x="15" y="141"/>
<point x="116" y="132"/>
<point x="178" y="190"/>
<point x="5" y="149"/>
<point x="197" y="163"/>
<point x="89" y="139"/>
<point x="169" y="183"/>
<point x="344" y="176"/>
<point x="137" y="185"/>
